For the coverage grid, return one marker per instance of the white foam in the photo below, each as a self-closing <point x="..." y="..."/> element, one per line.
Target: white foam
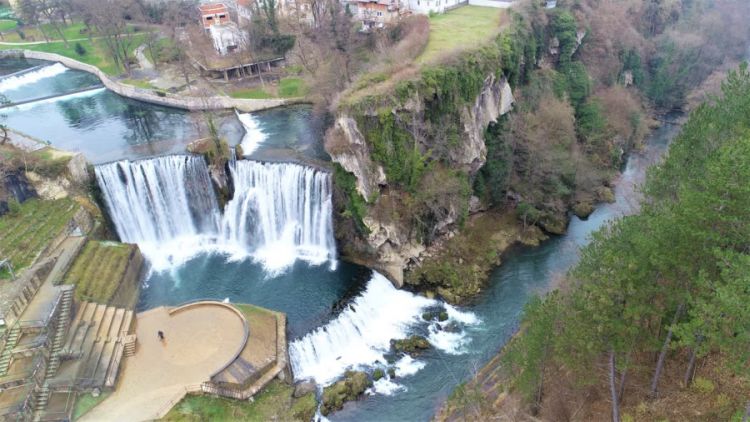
<point x="407" y="366"/>
<point x="454" y="314"/>
<point x="450" y="336"/>
<point x="385" y="387"/>
<point x="15" y="82"/>
<point x="254" y="135"/>
<point x="279" y="213"/>
<point x="83" y="94"/>
<point x="360" y="336"/>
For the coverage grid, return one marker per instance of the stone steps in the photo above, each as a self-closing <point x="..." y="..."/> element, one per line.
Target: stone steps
<point x="97" y="340"/>
<point x="7" y="355"/>
<point x="58" y="341"/>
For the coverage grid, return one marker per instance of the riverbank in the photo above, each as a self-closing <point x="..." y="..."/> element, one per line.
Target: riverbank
<point x="157" y="97"/>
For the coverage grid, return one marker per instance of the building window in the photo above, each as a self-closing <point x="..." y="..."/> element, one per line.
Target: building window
<point x="208" y="18"/>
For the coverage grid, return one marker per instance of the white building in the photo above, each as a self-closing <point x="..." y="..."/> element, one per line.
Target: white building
<point x="424" y="7"/>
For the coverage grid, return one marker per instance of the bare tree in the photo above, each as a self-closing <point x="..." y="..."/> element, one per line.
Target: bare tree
<point x="110" y="20"/>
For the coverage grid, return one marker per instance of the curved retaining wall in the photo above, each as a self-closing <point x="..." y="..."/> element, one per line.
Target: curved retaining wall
<point x="147" y="95"/>
<point x="240" y="315"/>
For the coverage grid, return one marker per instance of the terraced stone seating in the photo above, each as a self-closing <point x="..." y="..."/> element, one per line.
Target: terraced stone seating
<point x="95" y="344"/>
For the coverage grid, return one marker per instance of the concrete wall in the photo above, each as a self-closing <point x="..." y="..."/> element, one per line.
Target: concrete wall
<point x="491" y="3"/>
<point x="424" y="7"/>
<point x="149" y="96"/>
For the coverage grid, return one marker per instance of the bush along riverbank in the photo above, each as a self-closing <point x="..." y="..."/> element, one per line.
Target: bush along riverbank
<point x="422" y="161"/>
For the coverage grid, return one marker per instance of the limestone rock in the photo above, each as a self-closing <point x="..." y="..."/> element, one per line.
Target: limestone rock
<point x="350" y="388"/>
<point x="392" y="245"/>
<point x="303" y="388"/>
<point x="413" y="345"/>
<point x="583" y="209"/>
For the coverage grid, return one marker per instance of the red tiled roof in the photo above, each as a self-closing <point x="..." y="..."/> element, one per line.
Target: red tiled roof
<point x="212" y="8"/>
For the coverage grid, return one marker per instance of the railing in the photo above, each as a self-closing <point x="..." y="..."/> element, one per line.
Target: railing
<point x="245" y="326"/>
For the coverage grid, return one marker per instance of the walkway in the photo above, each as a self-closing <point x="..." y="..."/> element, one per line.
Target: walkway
<point x="199" y="341"/>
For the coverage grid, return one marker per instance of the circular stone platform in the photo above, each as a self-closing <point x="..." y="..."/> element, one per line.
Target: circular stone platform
<point x="200" y="338"/>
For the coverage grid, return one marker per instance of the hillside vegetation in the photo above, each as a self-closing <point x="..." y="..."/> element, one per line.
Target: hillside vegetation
<point x="99" y="269"/>
<point x="463" y="28"/>
<point x="654" y="322"/>
<point x="27" y="229"/>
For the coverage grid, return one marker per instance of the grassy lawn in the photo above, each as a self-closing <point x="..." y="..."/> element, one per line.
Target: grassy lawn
<point x="138" y="83"/>
<point x="462" y="28"/>
<point x="289" y="87"/>
<point x="31" y="33"/>
<point x="274" y="403"/>
<point x="251" y="93"/>
<point x="96" y="53"/>
<point x="27" y="229"/>
<point x="7" y="25"/>
<point x="98" y="270"/>
<point x="292" y="87"/>
<point x="86" y="402"/>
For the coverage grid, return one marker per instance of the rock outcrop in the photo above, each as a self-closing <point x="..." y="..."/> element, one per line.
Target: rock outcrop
<point x="350" y="388"/>
<point x="390" y="240"/>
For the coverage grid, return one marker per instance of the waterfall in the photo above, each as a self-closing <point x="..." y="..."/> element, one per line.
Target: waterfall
<point x="253" y="134"/>
<point x="279" y="212"/>
<point x="160" y="202"/>
<point x="282" y="212"/>
<point x="15" y="82"/>
<point x="360" y="336"/>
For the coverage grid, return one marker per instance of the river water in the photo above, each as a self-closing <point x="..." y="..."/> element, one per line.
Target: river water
<point x="340" y="315"/>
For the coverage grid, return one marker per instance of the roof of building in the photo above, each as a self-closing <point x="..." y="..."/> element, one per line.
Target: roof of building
<point x="212" y="8"/>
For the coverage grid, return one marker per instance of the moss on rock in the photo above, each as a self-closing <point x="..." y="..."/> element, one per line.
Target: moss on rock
<point x="413" y="345"/>
<point x="350" y="388"/>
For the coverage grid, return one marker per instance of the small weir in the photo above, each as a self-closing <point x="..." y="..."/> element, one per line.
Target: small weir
<point x="20" y="72"/>
<point x="78" y="93"/>
<point x="30" y="76"/>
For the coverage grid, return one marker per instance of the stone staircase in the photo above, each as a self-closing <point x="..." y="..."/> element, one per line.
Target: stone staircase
<point x="98" y="338"/>
<point x="41" y="398"/>
<point x="58" y="340"/>
<point x="10" y="343"/>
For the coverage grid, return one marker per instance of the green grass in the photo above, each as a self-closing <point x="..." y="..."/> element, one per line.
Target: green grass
<point x="96" y="51"/>
<point x="86" y="402"/>
<point x="98" y="270"/>
<point x="251" y="93"/>
<point x="27" y="229"/>
<point x="7" y="25"/>
<point x="292" y="87"/>
<point x="273" y="403"/>
<point x="138" y="83"/>
<point x="462" y="28"/>
<point x="74" y="31"/>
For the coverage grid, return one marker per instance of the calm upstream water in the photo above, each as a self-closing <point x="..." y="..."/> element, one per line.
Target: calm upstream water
<point x="339" y="314"/>
<point x="76" y="114"/>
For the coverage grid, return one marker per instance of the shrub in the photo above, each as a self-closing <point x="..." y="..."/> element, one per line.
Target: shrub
<point x="703" y="385"/>
<point x="80" y="50"/>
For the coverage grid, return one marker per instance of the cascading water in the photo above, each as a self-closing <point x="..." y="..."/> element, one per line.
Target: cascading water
<point x="160" y="202"/>
<point x="279" y="212"/>
<point x="282" y="212"/>
<point x="360" y="336"/>
<point x="253" y="134"/>
<point x="16" y="82"/>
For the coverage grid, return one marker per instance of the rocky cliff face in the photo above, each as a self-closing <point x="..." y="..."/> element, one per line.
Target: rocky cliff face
<point x="393" y="236"/>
